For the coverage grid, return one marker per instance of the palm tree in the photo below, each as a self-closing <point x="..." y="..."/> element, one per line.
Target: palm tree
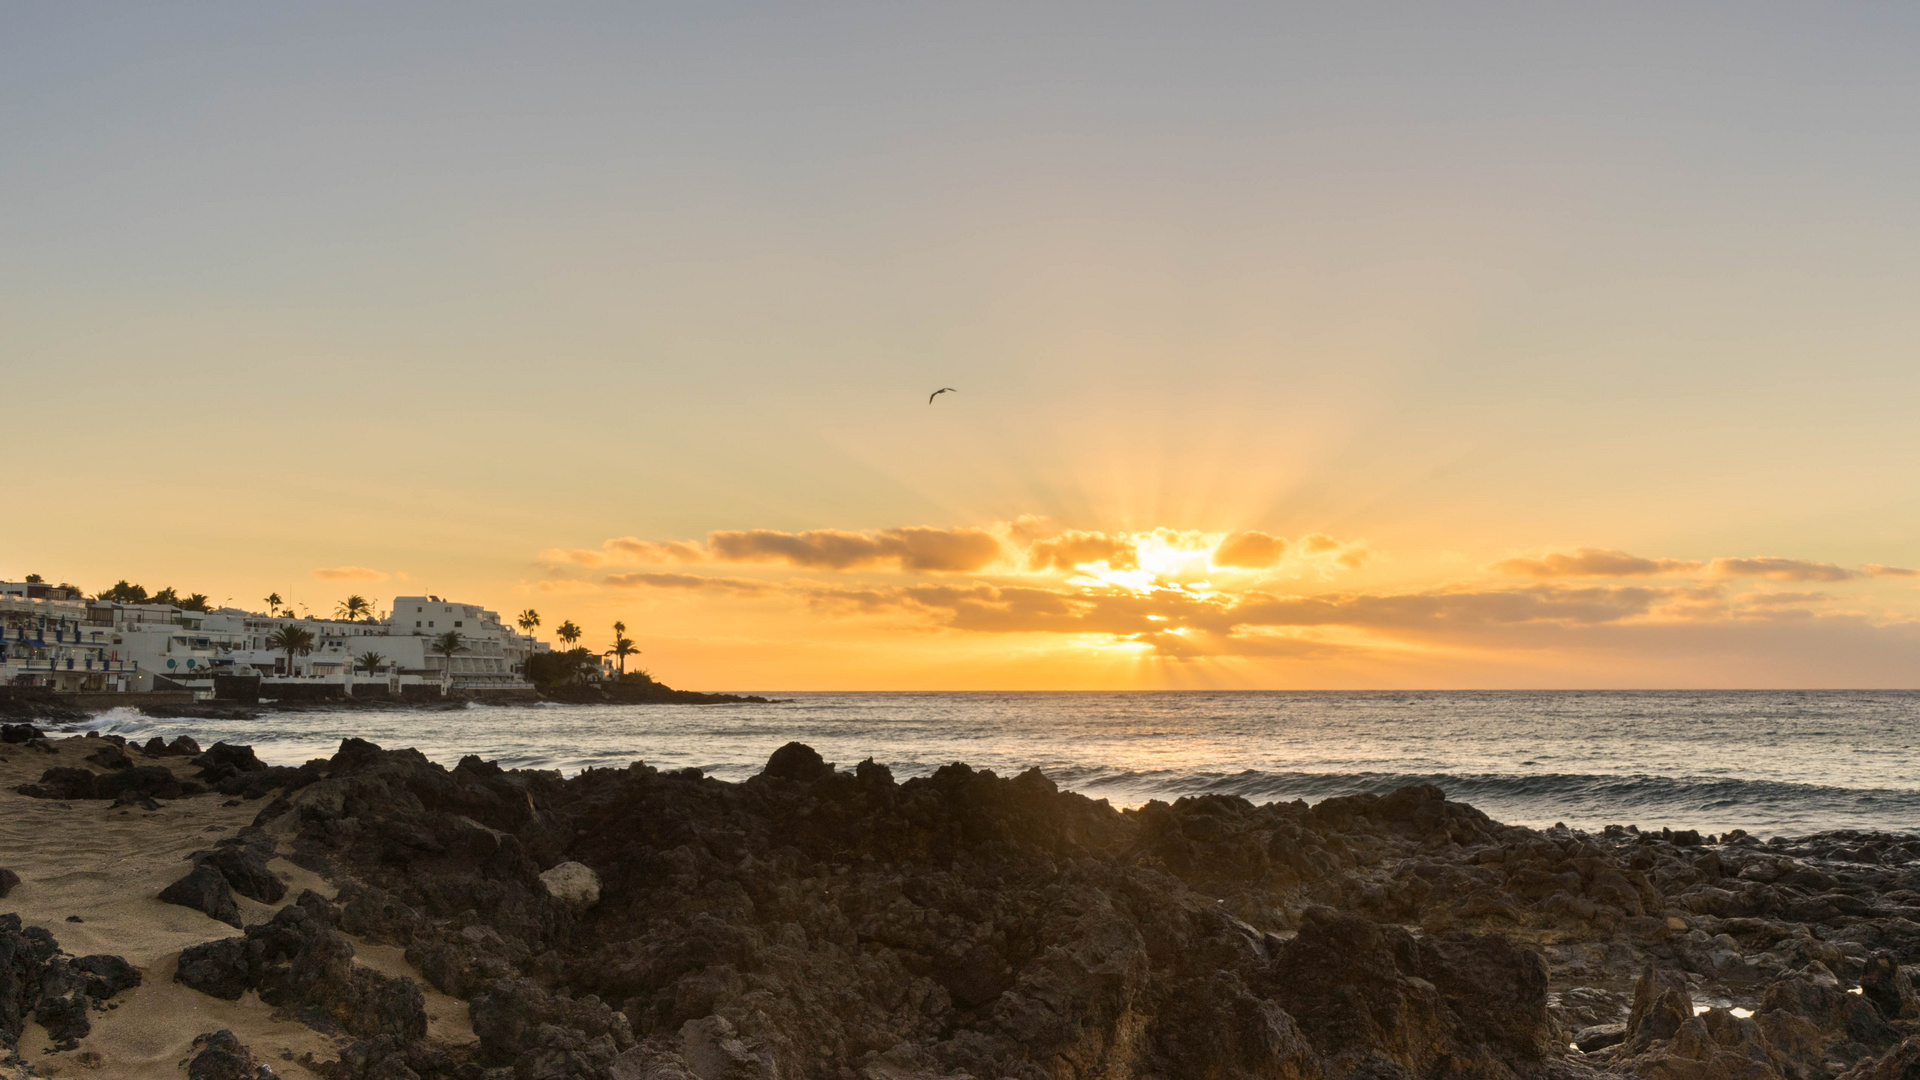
<point x="273" y="602"/>
<point x="622" y="648"/>
<point x="446" y="645"/>
<point x="371" y="661"/>
<point x="353" y="608"/>
<point x="529" y="622"/>
<point x="567" y="632"/>
<point x="292" y="640"/>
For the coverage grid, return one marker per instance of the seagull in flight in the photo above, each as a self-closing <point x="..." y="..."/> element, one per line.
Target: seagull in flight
<point x="942" y="390"/>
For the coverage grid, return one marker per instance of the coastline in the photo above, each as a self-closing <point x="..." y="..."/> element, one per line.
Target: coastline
<point x="639" y="923"/>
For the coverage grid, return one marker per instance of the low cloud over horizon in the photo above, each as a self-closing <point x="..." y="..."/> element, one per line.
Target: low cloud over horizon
<point x="350" y="573"/>
<point x="1244" y="595"/>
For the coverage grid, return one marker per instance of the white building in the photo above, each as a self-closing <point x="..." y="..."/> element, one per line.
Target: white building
<point x="56" y="644"/>
<point x="493" y="653"/>
<point x="74" y="644"/>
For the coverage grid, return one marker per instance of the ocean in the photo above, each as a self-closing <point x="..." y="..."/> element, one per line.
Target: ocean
<point x="1769" y="762"/>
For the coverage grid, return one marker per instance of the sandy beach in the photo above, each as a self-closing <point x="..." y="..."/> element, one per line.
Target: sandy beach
<point x="90" y="873"/>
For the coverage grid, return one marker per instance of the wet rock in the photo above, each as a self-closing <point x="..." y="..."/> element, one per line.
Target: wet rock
<point x="221" y="1057"/>
<point x="204" y="890"/>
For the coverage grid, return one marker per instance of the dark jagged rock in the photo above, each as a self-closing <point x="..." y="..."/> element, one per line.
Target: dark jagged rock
<point x="38" y="983"/>
<point x="106" y="975"/>
<point x="299" y="961"/>
<point x="26" y="954"/>
<point x="221" y="1057"/>
<point x="245" y="869"/>
<point x="64" y="1016"/>
<point x="8" y="879"/>
<point x="223" y="760"/>
<point x="111" y="757"/>
<point x="205" y="890"/>
<point x="1888" y="988"/>
<point x="814" y="922"/>
<point x="152" y="781"/>
<point x="19" y="733"/>
<point x="796" y="761"/>
<point x="216" y="968"/>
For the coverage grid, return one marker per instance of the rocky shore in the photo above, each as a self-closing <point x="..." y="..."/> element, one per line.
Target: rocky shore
<point x="172" y="910"/>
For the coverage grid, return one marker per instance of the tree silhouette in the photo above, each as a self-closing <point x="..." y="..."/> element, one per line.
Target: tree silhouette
<point x="292" y="640"/>
<point x="446" y="645"/>
<point x="623" y="648"/>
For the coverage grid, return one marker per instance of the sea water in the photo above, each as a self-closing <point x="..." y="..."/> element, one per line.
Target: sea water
<point x="1786" y="762"/>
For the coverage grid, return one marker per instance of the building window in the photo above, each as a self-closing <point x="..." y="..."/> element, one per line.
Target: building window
<point x="457" y="625"/>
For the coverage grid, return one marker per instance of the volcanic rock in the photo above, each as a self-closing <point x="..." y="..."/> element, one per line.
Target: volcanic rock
<point x="204" y="890"/>
<point x="221" y="1057"/>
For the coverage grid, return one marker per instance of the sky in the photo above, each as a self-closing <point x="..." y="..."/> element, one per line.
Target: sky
<point x="1318" y="346"/>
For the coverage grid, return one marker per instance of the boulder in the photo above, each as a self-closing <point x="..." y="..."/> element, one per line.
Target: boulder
<point x="221" y="1057"/>
<point x="574" y="883"/>
<point x="106" y="975"/>
<point x="216" y="968"/>
<point x="8" y="879"/>
<point x="246" y="871"/>
<point x="204" y="890"/>
<point x="796" y="761"/>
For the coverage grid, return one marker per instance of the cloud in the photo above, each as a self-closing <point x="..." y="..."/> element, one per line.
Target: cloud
<point x="921" y="550"/>
<point x="1778" y="569"/>
<point x="1876" y="570"/>
<point x="1592" y="562"/>
<point x="564" y="587"/>
<point x="1073" y="548"/>
<point x="1781" y="599"/>
<point x="686" y="581"/>
<point x="627" y="550"/>
<point x="349" y="573"/>
<point x="1249" y="550"/>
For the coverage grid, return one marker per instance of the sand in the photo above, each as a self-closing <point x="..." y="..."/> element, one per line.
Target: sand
<point x="106" y="866"/>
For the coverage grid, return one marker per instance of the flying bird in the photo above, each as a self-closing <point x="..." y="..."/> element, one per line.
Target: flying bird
<point x="942" y="390"/>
